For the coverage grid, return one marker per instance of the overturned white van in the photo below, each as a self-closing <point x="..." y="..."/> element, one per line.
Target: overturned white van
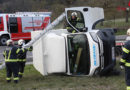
<point x="88" y="52"/>
<point x="75" y="54"/>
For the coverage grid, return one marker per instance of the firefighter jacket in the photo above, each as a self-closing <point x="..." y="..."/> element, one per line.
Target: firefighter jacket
<point x="22" y="53"/>
<point x="125" y="60"/>
<point x="74" y="23"/>
<point x="10" y="54"/>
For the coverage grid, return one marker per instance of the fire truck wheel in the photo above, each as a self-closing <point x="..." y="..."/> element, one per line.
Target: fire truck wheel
<point x="3" y="40"/>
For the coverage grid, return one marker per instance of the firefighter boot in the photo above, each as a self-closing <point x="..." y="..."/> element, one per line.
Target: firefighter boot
<point x="128" y="88"/>
<point x="15" y="81"/>
<point x="8" y="80"/>
<point x="20" y="76"/>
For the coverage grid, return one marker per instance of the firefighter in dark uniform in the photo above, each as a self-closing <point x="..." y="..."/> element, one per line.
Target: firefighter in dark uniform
<point x="11" y="61"/>
<point x="125" y="61"/>
<point x="73" y="20"/>
<point x="22" y="56"/>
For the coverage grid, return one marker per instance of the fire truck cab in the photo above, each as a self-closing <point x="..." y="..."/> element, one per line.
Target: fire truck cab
<point x="19" y="25"/>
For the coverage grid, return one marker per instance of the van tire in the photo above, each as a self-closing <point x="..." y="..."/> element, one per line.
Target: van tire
<point x="3" y="40"/>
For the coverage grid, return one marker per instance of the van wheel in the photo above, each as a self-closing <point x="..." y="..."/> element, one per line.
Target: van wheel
<point x="3" y="40"/>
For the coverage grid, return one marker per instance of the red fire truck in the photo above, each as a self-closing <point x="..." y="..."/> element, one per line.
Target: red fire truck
<point x="19" y="25"/>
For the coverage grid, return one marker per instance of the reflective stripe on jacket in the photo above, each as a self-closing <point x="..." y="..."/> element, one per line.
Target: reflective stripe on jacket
<point x="74" y="23"/>
<point x="23" y="53"/>
<point x="126" y="54"/>
<point x="10" y="54"/>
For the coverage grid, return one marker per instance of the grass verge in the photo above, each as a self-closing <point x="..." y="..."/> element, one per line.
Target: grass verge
<point x="33" y="80"/>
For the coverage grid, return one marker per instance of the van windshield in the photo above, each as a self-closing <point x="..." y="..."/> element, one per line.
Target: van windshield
<point x="78" y="50"/>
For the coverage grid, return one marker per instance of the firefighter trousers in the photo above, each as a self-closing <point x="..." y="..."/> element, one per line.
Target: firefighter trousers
<point x="21" y="68"/>
<point x="127" y="77"/>
<point x="12" y="68"/>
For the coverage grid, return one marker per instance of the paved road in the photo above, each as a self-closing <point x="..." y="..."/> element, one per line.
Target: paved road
<point x="2" y="48"/>
<point x="121" y="37"/>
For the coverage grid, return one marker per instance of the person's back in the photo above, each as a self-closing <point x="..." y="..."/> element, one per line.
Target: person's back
<point x="22" y="56"/>
<point x="22" y="53"/>
<point x="10" y="54"/>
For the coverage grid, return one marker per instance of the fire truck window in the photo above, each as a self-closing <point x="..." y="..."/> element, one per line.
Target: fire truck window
<point x="0" y="20"/>
<point x="13" y="25"/>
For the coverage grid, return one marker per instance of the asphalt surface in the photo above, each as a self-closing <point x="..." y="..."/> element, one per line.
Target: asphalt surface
<point x="2" y="48"/>
<point x="121" y="37"/>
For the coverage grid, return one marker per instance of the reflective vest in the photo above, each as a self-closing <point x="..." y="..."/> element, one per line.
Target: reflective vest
<point x="23" y="53"/>
<point x="73" y="22"/>
<point x="10" y="54"/>
<point x="126" y="54"/>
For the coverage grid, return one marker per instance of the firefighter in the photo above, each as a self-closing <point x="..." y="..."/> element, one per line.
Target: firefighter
<point x="11" y="62"/>
<point x="73" y="20"/>
<point x="125" y="61"/>
<point x="128" y="33"/>
<point x="22" y="56"/>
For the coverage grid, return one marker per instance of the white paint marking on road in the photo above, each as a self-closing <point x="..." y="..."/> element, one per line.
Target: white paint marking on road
<point x="1" y="53"/>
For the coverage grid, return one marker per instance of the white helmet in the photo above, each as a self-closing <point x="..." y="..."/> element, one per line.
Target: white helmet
<point x="74" y="14"/>
<point x="9" y="42"/>
<point x="128" y="32"/>
<point x="21" y="42"/>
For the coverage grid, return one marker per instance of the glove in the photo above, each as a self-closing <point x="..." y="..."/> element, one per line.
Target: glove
<point x="122" y="67"/>
<point x="30" y="48"/>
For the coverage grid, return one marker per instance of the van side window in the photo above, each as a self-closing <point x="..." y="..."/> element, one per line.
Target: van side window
<point x="76" y="22"/>
<point x="13" y="25"/>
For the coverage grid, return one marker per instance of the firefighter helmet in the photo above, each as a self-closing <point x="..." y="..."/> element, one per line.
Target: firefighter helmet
<point x="21" y="42"/>
<point x="9" y="42"/>
<point x="74" y="14"/>
<point x="128" y="32"/>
